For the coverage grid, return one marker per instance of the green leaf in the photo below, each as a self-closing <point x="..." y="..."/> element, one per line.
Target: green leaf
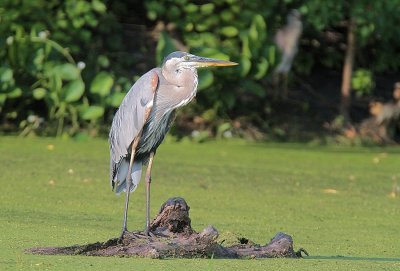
<point x="78" y="22"/>
<point x="253" y="33"/>
<point x="362" y="82"/>
<point x="271" y="54"/>
<point x="154" y="9"/>
<point x="53" y="97"/>
<point x="245" y="66"/>
<point x="202" y="26"/>
<point x="229" y="31"/>
<point x="189" y="27"/>
<point x="91" y="19"/>
<point x="115" y="99"/>
<point x="207" y="9"/>
<point x="191" y="8"/>
<point x="99" y="6"/>
<point x="262" y="68"/>
<point x="92" y="112"/>
<point x="259" y="22"/>
<point x="73" y="91"/>
<point x="67" y="71"/>
<point x="211" y="41"/>
<point x="246" y="52"/>
<point x="38" y="58"/>
<point x="152" y="15"/>
<point x="62" y="23"/>
<point x="103" y="61"/>
<point x="15" y="93"/>
<point x="227" y="15"/>
<point x="6" y="74"/>
<point x="206" y="79"/>
<point x="55" y="83"/>
<point x="39" y="93"/>
<point x="102" y="84"/>
<point x="3" y="98"/>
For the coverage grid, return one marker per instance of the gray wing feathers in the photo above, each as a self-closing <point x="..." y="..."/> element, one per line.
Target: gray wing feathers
<point x="130" y="119"/>
<point x="122" y="174"/>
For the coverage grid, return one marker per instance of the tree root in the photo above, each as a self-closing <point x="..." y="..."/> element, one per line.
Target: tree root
<point x="172" y="236"/>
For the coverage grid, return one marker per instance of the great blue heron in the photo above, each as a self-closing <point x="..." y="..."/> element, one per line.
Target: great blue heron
<point x="287" y="39"/>
<point x="145" y="116"/>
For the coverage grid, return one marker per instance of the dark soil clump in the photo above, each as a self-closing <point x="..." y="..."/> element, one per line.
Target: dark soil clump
<point x="172" y="236"/>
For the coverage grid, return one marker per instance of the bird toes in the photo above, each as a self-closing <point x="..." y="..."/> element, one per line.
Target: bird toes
<point x="149" y="233"/>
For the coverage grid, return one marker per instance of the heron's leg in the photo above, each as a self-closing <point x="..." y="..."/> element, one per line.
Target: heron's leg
<point x="285" y="85"/>
<point x="148" y="181"/>
<point x="128" y="185"/>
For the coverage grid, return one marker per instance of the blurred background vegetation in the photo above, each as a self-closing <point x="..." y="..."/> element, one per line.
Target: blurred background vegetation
<point x="65" y="66"/>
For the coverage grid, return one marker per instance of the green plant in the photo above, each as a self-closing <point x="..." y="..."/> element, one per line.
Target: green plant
<point x="51" y="66"/>
<point x="44" y="70"/>
<point x="362" y="82"/>
<point x="92" y="51"/>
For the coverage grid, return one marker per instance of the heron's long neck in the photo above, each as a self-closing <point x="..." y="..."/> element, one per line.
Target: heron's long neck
<point x="171" y="94"/>
<point x="177" y="90"/>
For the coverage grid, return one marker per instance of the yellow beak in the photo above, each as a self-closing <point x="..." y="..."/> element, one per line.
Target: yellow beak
<point x="207" y="62"/>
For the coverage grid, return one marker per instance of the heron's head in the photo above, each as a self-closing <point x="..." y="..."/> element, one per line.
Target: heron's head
<point x="182" y="60"/>
<point x="294" y="15"/>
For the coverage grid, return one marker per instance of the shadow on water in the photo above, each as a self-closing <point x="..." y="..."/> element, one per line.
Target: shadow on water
<point x="352" y="258"/>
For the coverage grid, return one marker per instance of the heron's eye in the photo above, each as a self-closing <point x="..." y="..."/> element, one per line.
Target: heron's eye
<point x="186" y="58"/>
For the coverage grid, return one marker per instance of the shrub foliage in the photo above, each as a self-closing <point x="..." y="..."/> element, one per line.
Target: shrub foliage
<point x="65" y="66"/>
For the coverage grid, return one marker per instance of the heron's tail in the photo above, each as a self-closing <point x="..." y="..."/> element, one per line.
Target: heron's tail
<point x="122" y="176"/>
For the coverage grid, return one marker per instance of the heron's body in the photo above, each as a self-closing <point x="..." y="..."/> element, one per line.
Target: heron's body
<point x="145" y="116"/>
<point x="160" y="114"/>
<point x="287" y="40"/>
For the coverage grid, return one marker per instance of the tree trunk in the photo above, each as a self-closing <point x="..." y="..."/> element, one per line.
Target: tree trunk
<point x="171" y="235"/>
<point x="345" y="101"/>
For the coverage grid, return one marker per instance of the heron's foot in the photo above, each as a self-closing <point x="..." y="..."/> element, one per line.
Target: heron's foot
<point x="122" y="236"/>
<point x="127" y="235"/>
<point x="148" y="233"/>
